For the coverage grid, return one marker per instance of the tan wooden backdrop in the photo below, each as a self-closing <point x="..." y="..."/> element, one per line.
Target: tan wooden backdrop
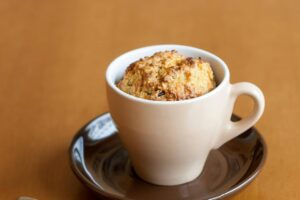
<point x="53" y="55"/>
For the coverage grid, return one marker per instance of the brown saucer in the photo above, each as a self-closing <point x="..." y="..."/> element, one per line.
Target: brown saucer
<point x="102" y="164"/>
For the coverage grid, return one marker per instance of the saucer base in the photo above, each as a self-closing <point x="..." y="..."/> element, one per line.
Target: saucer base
<point x="102" y="164"/>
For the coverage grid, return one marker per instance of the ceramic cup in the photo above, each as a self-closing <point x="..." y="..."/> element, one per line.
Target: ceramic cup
<point x="168" y="141"/>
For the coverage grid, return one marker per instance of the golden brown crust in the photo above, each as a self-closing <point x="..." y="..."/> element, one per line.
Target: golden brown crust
<point x="168" y="76"/>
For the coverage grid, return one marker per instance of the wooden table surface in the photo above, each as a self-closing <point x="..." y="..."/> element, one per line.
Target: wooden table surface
<point x="53" y="56"/>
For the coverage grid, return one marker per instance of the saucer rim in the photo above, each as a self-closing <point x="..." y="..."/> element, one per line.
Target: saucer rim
<point x="87" y="183"/>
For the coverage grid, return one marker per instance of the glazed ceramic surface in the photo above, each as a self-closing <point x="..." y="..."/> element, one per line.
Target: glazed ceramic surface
<point x="168" y="142"/>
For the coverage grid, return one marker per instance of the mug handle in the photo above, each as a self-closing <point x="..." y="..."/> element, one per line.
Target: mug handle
<point x="233" y="129"/>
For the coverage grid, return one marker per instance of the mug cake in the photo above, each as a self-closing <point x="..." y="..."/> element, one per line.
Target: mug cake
<point x="168" y="76"/>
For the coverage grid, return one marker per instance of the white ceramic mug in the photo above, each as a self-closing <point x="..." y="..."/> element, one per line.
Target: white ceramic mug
<point x="168" y="141"/>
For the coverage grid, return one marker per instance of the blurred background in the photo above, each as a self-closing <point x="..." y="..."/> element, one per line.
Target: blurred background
<point x="53" y="56"/>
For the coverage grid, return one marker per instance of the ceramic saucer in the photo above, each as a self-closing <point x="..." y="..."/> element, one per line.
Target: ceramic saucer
<point x="102" y="164"/>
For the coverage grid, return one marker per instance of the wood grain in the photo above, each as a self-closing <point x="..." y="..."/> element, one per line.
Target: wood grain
<point x="53" y="55"/>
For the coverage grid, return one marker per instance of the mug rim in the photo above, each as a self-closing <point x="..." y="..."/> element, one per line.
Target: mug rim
<point x="114" y="87"/>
